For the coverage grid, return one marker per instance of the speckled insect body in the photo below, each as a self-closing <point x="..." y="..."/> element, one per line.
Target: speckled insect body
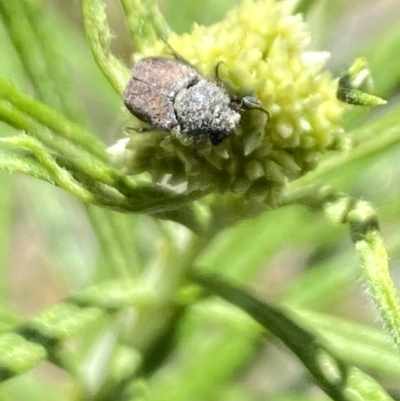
<point x="171" y="95"/>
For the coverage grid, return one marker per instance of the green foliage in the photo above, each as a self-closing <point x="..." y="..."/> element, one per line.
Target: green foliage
<point x="135" y="292"/>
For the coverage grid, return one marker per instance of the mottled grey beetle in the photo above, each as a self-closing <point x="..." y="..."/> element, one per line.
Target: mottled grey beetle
<point x="171" y="95"/>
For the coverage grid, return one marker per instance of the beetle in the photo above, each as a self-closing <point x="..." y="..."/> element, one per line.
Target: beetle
<point x="171" y="95"/>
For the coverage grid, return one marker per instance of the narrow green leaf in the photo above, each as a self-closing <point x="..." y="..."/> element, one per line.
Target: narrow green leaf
<point x="15" y="161"/>
<point x="50" y="118"/>
<point x="362" y="387"/>
<point x="111" y="240"/>
<point x="99" y="36"/>
<point x="6" y="207"/>
<point x="79" y="161"/>
<point x="355" y="343"/>
<point x="304" y="6"/>
<point x="141" y="199"/>
<point x="383" y="54"/>
<point x="146" y="23"/>
<point x="40" y="337"/>
<point x="60" y="176"/>
<point x="25" y="41"/>
<point x="323" y="284"/>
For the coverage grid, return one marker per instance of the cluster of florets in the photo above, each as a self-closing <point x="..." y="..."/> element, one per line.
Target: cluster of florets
<point x="261" y="51"/>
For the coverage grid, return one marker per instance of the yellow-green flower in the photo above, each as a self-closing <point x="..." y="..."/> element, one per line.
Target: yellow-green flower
<point x="263" y="52"/>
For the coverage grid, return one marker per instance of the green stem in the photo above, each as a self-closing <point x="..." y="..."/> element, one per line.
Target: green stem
<point x="374" y="260"/>
<point x="338" y="380"/>
<point x="363" y="222"/>
<point x="303" y="344"/>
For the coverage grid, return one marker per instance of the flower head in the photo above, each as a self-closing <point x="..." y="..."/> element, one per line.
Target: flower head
<point x="260" y="50"/>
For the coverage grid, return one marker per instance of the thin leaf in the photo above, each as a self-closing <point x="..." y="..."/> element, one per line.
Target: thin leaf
<point x="50" y="118"/>
<point x="99" y="36"/>
<point x="145" y="22"/>
<point x="328" y="371"/>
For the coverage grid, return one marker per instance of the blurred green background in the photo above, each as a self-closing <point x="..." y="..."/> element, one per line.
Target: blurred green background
<point x="49" y="251"/>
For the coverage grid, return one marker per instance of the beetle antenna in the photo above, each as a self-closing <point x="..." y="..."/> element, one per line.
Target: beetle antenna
<point x="176" y="55"/>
